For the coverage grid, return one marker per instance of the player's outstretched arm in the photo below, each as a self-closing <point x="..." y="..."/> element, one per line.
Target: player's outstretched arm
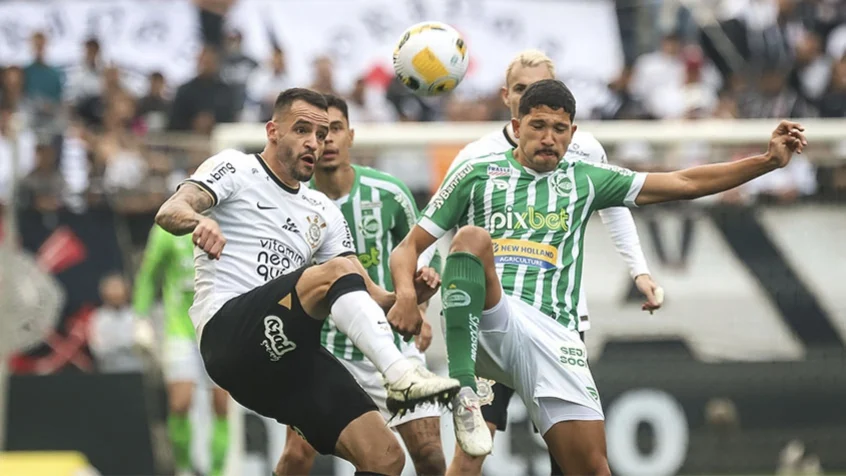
<point x="704" y="180"/>
<point x="404" y="315"/>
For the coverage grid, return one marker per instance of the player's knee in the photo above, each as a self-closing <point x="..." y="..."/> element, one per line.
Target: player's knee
<point x="179" y="404"/>
<point x="337" y="268"/>
<point x="472" y="239"/>
<point x="429" y="459"/>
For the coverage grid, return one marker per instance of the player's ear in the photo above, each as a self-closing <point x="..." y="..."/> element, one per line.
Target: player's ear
<point x="270" y="128"/>
<point x="352" y="137"/>
<point x="503" y="93"/>
<point x="573" y="129"/>
<point x="515" y="126"/>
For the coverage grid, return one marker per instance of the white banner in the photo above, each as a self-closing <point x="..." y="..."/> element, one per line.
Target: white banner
<point x="581" y="36"/>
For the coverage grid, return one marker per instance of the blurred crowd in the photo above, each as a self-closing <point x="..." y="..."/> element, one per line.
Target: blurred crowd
<point x="88" y="138"/>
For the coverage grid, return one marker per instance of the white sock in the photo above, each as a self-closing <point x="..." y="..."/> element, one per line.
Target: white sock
<point x="359" y="317"/>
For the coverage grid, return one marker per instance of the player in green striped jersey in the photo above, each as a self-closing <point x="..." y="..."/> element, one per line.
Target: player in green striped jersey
<point x="511" y="281"/>
<point x="380" y="211"/>
<point x="171" y="258"/>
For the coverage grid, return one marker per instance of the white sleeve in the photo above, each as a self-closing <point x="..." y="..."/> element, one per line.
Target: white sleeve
<point x="620" y="223"/>
<point x="338" y="241"/>
<point x="621" y="227"/>
<point x="216" y="176"/>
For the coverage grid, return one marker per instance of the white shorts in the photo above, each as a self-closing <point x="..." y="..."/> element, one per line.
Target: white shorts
<point x="370" y="379"/>
<point x="544" y="362"/>
<point x="182" y="361"/>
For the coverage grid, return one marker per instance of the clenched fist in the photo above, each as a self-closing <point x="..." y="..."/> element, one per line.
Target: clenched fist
<point x="208" y="237"/>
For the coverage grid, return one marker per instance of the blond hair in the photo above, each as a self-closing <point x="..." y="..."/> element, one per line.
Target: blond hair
<point x="530" y="59"/>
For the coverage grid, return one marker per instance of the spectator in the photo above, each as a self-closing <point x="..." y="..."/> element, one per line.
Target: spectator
<point x="12" y="88"/>
<point x="265" y="83"/>
<point x="85" y="81"/>
<point x="657" y="79"/>
<point x="772" y="98"/>
<point x="42" y="82"/>
<point x="324" y="76"/>
<point x="92" y="109"/>
<point x="367" y="104"/>
<point x="25" y="148"/>
<point x="812" y="68"/>
<point x="833" y="102"/>
<point x="44" y="188"/>
<point x="154" y="107"/>
<point x="206" y="93"/>
<point x="236" y="68"/>
<point x="112" y="333"/>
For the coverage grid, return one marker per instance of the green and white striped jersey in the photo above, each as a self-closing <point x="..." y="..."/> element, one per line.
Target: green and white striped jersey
<point x="536" y="221"/>
<point x="380" y="211"/>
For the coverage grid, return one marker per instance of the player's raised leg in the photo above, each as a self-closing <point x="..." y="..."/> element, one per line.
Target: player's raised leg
<point x="470" y="285"/>
<point x="339" y="286"/>
<point x="297" y="457"/>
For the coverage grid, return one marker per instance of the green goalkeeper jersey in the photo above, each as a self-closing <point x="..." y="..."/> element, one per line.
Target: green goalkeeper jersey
<point x="380" y="211"/>
<point x="170" y="258"/>
<point x="536" y="220"/>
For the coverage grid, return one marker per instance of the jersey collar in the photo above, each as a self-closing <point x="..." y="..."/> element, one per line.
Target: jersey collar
<point x="506" y="131"/>
<point x="273" y="177"/>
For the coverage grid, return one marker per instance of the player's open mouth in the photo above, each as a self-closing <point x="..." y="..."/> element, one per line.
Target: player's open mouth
<point x="309" y="159"/>
<point x="547" y="154"/>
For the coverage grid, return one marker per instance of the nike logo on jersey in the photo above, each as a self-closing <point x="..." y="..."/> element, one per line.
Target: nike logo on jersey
<point x="265" y="207"/>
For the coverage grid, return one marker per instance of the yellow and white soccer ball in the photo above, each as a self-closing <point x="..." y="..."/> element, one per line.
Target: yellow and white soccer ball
<point x="431" y="58"/>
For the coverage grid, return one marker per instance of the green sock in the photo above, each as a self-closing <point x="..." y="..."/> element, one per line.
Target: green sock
<point x="220" y="443"/>
<point x="463" y="296"/>
<point x="179" y="427"/>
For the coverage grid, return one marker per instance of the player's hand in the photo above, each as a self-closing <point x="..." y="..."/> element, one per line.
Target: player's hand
<point x="788" y="138"/>
<point x="424" y="339"/>
<point x="426" y="283"/>
<point x="654" y="294"/>
<point x="209" y="238"/>
<point x="144" y="335"/>
<point x="405" y="318"/>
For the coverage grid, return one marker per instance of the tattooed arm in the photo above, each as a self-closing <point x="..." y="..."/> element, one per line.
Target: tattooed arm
<point x="181" y="214"/>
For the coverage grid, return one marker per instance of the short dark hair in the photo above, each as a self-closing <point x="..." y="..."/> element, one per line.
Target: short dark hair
<point x="338" y="103"/>
<point x="288" y="96"/>
<point x="551" y="93"/>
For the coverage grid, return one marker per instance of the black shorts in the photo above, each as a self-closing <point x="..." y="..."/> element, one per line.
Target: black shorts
<point x="265" y="351"/>
<point x="497" y="411"/>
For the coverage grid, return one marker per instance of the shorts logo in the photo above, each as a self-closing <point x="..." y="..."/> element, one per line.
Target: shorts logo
<point x="560" y="184"/>
<point x="573" y="357"/>
<point x="455" y="298"/>
<point x="315" y="225"/>
<point x="276" y="342"/>
<point x="370" y="226"/>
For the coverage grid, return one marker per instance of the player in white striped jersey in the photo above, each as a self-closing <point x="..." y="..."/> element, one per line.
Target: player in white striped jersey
<point x="526" y="68"/>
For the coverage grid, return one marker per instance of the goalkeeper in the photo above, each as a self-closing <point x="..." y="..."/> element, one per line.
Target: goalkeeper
<point x="171" y="258"/>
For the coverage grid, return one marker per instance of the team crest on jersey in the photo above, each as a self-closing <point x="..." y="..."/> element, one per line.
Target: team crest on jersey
<point x="560" y="183"/>
<point x="497" y="171"/>
<point x="370" y="226"/>
<point x="315" y="229"/>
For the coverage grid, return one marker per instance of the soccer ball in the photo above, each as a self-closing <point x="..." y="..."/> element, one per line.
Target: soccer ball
<point x="431" y="58"/>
